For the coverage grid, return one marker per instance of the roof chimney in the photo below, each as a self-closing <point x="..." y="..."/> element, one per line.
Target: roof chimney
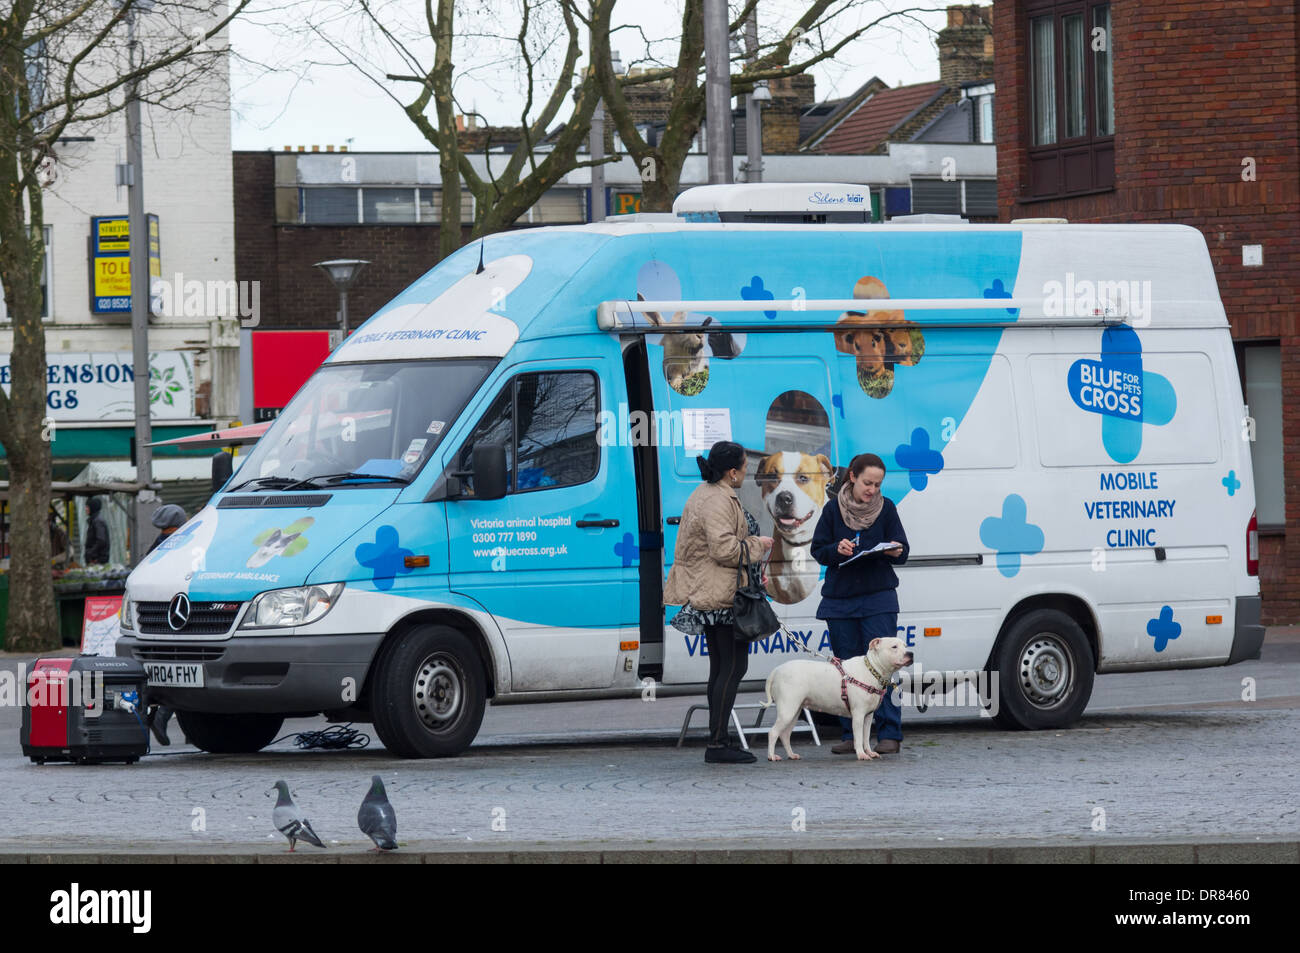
<point x="966" y="45"/>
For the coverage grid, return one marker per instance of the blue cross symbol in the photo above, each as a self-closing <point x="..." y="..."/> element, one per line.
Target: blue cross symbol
<point x="999" y="290"/>
<point x="384" y="556"/>
<point x="837" y="400"/>
<point x="1125" y="396"/>
<point x="1163" y="628"/>
<point x="754" y="291"/>
<point x="1231" y="482"/>
<point x="1011" y="535"/>
<point x="918" y="459"/>
<point x="175" y="541"/>
<point x="627" y="549"/>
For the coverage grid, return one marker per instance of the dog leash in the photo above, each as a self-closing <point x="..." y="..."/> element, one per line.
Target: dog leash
<point x="802" y="642"/>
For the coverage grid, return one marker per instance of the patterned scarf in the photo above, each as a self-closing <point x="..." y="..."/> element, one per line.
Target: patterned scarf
<point x="858" y="516"/>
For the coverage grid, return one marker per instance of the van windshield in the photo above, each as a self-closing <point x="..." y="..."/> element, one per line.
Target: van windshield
<point x="361" y="424"/>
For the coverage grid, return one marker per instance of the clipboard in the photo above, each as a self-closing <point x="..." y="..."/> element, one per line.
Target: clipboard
<point x="878" y="548"/>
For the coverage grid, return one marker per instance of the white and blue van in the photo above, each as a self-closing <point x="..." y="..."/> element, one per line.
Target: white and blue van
<point x="475" y="497"/>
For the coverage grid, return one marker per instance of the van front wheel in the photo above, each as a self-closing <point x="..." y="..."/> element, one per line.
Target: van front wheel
<point x="428" y="693"/>
<point x="1045" y="671"/>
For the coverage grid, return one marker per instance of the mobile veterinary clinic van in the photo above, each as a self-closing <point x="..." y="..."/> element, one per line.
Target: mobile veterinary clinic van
<point x="476" y="496"/>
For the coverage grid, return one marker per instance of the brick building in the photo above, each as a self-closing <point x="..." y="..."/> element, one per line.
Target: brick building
<point x="1178" y="112"/>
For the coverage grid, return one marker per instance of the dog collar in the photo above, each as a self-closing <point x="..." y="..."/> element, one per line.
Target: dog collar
<point x="872" y="669"/>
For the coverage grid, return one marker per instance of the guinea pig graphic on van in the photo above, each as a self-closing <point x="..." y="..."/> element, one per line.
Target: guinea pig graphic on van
<point x="279" y="542"/>
<point x="883" y="341"/>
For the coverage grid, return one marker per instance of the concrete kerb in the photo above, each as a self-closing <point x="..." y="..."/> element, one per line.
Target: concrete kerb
<point x="1169" y="852"/>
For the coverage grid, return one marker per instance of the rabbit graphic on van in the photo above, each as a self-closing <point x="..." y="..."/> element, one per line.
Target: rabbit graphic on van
<point x="279" y="542"/>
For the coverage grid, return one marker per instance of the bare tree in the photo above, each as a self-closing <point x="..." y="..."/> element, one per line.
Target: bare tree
<point x="543" y="51"/>
<point x="64" y="65"/>
<point x="816" y="34"/>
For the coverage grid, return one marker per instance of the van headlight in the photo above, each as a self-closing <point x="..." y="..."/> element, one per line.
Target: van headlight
<point x="288" y="607"/>
<point x="124" y="618"/>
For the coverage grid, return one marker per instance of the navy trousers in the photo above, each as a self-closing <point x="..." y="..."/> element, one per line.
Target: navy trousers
<point x="849" y="638"/>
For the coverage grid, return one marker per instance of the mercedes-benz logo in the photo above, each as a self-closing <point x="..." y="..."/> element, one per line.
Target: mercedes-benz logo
<point x="178" y="611"/>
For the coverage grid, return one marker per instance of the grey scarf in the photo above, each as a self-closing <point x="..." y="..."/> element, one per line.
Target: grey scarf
<point x="859" y="516"/>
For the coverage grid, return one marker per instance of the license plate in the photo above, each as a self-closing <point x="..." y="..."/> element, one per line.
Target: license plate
<point x="175" y="674"/>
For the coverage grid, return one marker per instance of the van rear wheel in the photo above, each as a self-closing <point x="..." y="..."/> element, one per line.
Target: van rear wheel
<point x="1045" y="669"/>
<point x="229" y="734"/>
<point x="428" y="693"/>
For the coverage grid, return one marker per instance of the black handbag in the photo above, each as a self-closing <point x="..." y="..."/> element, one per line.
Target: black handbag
<point x="754" y="618"/>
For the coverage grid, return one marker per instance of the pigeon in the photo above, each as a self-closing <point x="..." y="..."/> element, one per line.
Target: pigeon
<point x="289" y="820"/>
<point x="377" y="819"/>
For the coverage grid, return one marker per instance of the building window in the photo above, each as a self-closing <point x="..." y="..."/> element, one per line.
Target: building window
<point x="1071" y="115"/>
<point x="974" y="198"/>
<point x="984" y="119"/>
<point x="387" y="206"/>
<point x="329" y="206"/>
<point x="47" y="282"/>
<point x="1261" y="371"/>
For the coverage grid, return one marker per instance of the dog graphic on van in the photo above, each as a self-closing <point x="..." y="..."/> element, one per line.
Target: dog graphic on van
<point x="686" y="366"/>
<point x="794" y="488"/>
<point x="279" y="542"/>
<point x="883" y="341"/>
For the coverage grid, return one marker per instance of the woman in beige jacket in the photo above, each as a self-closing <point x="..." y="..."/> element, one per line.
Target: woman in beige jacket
<point x="716" y="536"/>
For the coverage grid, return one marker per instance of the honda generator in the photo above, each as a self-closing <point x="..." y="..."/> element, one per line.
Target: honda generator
<point x="88" y="709"/>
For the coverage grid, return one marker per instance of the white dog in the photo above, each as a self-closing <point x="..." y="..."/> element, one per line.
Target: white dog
<point x="817" y="685"/>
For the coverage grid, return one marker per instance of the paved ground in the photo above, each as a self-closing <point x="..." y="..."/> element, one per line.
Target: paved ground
<point x="1163" y="758"/>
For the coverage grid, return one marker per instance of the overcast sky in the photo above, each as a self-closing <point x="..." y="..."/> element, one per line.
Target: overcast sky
<point x="304" y="102"/>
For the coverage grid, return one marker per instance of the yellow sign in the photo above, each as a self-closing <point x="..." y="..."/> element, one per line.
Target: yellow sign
<point x="113" y="234"/>
<point x="112" y="277"/>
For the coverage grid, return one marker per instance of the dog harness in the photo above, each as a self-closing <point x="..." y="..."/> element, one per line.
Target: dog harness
<point x="846" y="680"/>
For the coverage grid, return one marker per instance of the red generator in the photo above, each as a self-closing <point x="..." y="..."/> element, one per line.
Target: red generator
<point x="88" y="709"/>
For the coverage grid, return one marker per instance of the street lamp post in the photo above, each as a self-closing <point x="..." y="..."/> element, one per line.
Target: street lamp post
<point x="753" y="103"/>
<point x="596" y="147"/>
<point x="717" y="91"/>
<point x="342" y="273"/>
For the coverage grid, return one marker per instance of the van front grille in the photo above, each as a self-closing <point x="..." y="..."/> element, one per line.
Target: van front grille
<point x="206" y="618"/>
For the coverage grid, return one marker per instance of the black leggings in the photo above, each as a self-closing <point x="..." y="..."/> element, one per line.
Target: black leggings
<point x="728" y="662"/>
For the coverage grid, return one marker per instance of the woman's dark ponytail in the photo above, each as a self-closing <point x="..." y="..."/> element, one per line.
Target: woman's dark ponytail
<point x="723" y="456"/>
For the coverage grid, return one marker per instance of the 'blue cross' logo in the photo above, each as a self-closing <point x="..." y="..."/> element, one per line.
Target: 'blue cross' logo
<point x="175" y="541"/>
<point x="384" y="556"/>
<point x="754" y="291"/>
<point x="1163" y="628"/>
<point x="1231" y="482"/>
<point x="627" y="550"/>
<point x="1123" y="394"/>
<point x="918" y="459"/>
<point x="837" y="400"/>
<point x="1011" y="535"/>
<point x="999" y="290"/>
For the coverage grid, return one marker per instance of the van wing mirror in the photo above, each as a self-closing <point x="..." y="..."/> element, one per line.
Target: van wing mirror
<point x="489" y="472"/>
<point x="223" y="465"/>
